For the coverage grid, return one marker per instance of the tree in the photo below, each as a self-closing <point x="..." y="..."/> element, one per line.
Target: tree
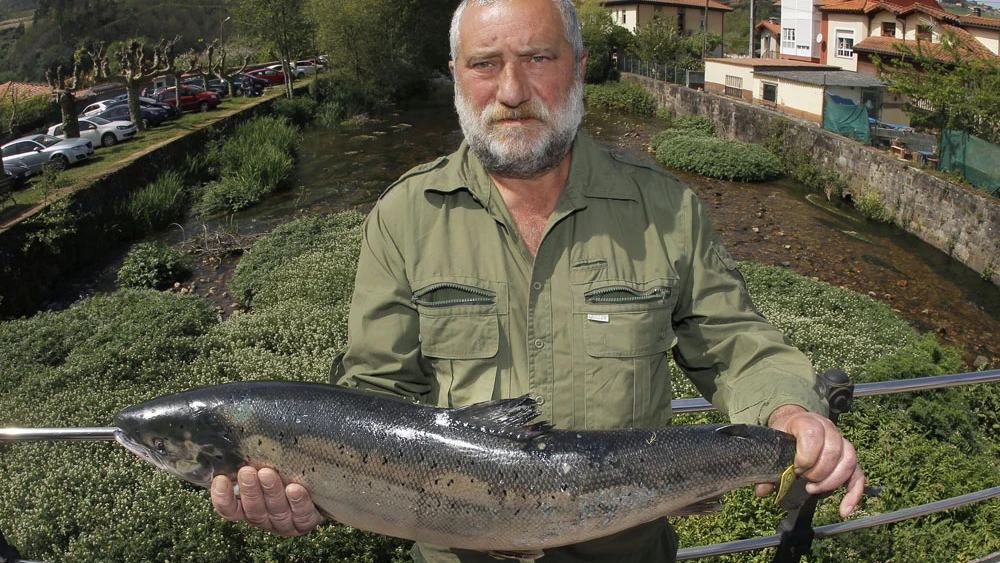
<point x="384" y="48"/>
<point x="64" y="90"/>
<point x="285" y="24"/>
<point x="596" y="26"/>
<point x="657" y="41"/>
<point x="135" y="62"/>
<point x="952" y="84"/>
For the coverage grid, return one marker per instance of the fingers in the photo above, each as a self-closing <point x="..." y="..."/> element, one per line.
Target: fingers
<point x="266" y="503"/>
<point x="824" y="457"/>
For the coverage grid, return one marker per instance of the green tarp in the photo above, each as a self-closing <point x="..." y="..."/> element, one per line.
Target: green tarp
<point x="973" y="158"/>
<point x="847" y="119"/>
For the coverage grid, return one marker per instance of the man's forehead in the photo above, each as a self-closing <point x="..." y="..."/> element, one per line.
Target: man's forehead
<point x="524" y="25"/>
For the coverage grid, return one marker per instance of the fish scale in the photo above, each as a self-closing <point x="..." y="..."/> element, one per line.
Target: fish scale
<point x="480" y="477"/>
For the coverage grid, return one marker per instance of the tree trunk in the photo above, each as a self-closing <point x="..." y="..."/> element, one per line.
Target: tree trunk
<point x="132" y="88"/>
<point x="67" y="105"/>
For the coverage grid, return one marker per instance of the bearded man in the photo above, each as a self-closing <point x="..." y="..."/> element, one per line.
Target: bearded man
<point x="530" y="261"/>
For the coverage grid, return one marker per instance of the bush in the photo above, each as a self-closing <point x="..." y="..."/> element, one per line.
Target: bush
<point x="667" y="134"/>
<point x="155" y="206"/>
<point x="152" y="265"/>
<point x="700" y="123"/>
<point x="719" y="158"/>
<point x="869" y="204"/>
<point x="298" y="111"/>
<point x="627" y="96"/>
<point x="256" y="161"/>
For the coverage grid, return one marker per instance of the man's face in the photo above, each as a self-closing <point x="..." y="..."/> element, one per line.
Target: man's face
<point x="518" y="88"/>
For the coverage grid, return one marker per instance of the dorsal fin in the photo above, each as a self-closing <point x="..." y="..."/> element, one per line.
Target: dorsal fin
<point x="502" y="417"/>
<point x="735" y="430"/>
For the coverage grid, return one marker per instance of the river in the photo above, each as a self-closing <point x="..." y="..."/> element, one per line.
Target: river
<point x="775" y="223"/>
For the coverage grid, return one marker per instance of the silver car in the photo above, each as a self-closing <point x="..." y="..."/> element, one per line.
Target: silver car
<point x="35" y="151"/>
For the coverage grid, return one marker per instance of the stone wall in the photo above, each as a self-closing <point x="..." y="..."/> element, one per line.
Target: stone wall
<point x="957" y="220"/>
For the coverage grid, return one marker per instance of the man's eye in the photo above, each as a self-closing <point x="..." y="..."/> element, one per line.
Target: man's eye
<point x="482" y="65"/>
<point x="539" y="59"/>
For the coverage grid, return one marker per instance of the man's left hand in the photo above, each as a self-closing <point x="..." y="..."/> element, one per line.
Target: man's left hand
<point x="822" y="456"/>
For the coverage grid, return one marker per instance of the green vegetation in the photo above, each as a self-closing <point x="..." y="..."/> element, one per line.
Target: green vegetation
<point x="661" y="41"/>
<point x="154" y="207"/>
<point x="626" y="96"/>
<point x="718" y="158"/>
<point x="960" y="85"/>
<point x="799" y="164"/>
<point x="870" y="204"/>
<point x="94" y="501"/>
<point x="601" y="38"/>
<point x="153" y="266"/>
<point x="257" y="159"/>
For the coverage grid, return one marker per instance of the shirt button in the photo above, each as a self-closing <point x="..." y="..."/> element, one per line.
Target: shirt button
<point x="539" y="399"/>
<point x="537" y="285"/>
<point x="539" y="344"/>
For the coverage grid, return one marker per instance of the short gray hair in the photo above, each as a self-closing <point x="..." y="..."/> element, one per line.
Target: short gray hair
<point x="571" y="24"/>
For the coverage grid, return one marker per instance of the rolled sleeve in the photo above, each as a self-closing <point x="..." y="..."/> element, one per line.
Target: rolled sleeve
<point x="736" y="359"/>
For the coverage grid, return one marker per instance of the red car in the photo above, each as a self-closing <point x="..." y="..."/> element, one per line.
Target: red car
<point x="272" y="76"/>
<point x="191" y="99"/>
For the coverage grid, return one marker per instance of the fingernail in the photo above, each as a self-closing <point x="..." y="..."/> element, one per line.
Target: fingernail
<point x="245" y="479"/>
<point x="219" y="487"/>
<point x="266" y="480"/>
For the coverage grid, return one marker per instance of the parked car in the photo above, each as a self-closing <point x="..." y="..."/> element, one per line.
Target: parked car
<point x="191" y="98"/>
<point x="100" y="131"/>
<point x="97" y="107"/>
<point x="220" y="87"/>
<point x="304" y="69"/>
<point x="146" y="101"/>
<point x="16" y="174"/>
<point x="35" y="151"/>
<point x="272" y="76"/>
<point x="243" y="82"/>
<point x="151" y="117"/>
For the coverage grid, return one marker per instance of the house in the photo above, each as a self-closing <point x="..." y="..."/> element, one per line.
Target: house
<point x="794" y="87"/>
<point x="689" y="14"/>
<point x="769" y="31"/>
<point x="21" y="91"/>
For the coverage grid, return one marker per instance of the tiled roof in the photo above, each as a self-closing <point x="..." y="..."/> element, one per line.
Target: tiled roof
<point x="773" y="27"/>
<point x="24" y="90"/>
<point x="773" y="63"/>
<point x="884" y="46"/>
<point x="712" y="4"/>
<point x="978" y="21"/>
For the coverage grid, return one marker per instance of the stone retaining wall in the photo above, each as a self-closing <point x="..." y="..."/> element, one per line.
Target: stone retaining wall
<point x="957" y="220"/>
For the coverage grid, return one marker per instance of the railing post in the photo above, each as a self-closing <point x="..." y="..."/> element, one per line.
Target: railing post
<point x="795" y="530"/>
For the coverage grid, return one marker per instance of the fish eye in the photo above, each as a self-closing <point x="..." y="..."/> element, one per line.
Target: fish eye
<point x="160" y="445"/>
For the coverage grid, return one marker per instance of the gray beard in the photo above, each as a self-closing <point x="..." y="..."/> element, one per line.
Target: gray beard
<point x="513" y="155"/>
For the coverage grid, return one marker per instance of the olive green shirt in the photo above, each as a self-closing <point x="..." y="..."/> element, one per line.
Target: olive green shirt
<point x="450" y="308"/>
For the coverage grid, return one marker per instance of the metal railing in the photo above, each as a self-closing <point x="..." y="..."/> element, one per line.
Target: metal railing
<point x="860" y="390"/>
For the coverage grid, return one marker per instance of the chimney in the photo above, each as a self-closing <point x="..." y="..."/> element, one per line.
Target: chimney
<point x="977" y="11"/>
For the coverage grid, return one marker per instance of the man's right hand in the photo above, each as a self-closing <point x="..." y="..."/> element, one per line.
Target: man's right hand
<point x="266" y="503"/>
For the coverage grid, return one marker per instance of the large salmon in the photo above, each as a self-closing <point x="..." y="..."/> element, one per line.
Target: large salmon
<point x="484" y="477"/>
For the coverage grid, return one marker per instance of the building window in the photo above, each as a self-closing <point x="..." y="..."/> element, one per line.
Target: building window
<point x="770" y="93"/>
<point x="888" y="29"/>
<point x="788" y="38"/>
<point x="924" y="32"/>
<point x="734" y="86"/>
<point x="681" y="20"/>
<point x="845" y="44"/>
<point x="624" y="18"/>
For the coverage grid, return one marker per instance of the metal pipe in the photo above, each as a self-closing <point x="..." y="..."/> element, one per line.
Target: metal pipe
<point x="869" y="389"/>
<point x="715" y="550"/>
<point x="38" y="434"/>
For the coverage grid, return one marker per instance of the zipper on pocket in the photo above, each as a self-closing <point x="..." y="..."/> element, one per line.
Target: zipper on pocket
<point x="622" y="294"/>
<point x="453" y="294"/>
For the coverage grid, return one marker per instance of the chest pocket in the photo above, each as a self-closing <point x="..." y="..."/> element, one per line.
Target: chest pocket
<point x="460" y="319"/>
<point x="626" y="331"/>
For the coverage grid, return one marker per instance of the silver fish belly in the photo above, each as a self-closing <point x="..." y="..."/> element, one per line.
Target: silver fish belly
<point x="484" y="477"/>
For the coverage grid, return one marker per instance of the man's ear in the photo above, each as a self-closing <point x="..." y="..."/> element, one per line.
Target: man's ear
<point x="451" y="68"/>
<point x="583" y="65"/>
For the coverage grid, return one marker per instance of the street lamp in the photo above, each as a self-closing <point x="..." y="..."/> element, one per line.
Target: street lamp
<point x="222" y="29"/>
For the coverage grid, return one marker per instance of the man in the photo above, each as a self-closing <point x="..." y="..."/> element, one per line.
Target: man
<point x="531" y="261"/>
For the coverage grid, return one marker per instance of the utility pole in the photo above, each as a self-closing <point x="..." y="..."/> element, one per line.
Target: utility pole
<point x="704" y="35"/>
<point x="752" y="25"/>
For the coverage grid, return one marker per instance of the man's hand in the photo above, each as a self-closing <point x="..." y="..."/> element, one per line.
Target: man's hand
<point x="266" y="503"/>
<point x="822" y="455"/>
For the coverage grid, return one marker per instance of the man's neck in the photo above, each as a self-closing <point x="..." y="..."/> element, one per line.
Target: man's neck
<point x="531" y="200"/>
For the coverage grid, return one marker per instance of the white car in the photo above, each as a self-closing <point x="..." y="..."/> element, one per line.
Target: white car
<point x="305" y="67"/>
<point x="100" y="131"/>
<point x="96" y="108"/>
<point x="35" y="151"/>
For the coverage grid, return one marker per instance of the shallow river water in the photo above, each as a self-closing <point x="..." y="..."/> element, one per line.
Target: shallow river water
<point x="774" y="223"/>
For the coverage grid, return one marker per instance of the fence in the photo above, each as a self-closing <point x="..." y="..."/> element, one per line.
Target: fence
<point x="782" y="539"/>
<point x="667" y="73"/>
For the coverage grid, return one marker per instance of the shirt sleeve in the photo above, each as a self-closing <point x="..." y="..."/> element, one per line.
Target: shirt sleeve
<point x="736" y="359"/>
<point x="383" y="350"/>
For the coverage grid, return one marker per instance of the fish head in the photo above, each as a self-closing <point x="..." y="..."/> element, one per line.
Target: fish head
<point x="188" y="439"/>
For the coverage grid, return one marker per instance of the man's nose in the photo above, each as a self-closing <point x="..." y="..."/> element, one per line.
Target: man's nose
<point x="513" y="89"/>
